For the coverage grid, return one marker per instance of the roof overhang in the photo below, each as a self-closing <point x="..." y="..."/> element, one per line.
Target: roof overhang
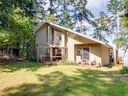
<point x="76" y="33"/>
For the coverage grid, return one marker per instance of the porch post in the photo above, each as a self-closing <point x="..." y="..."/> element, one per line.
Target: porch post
<point x="65" y="45"/>
<point x="37" y="56"/>
<point x="51" y="55"/>
<point x="52" y="35"/>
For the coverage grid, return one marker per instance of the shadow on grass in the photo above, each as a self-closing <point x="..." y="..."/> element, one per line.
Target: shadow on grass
<point x="86" y="83"/>
<point x="15" y="66"/>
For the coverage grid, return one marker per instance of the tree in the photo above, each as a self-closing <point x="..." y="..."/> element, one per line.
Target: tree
<point x="50" y="18"/>
<point x="51" y="10"/>
<point x="115" y="7"/>
<point x="17" y="19"/>
<point x="22" y="26"/>
<point x="65" y="20"/>
<point x="30" y="9"/>
<point x="122" y="39"/>
<point x="102" y="26"/>
<point x="19" y="30"/>
<point x="4" y="38"/>
<point x="64" y="17"/>
<point x="123" y="35"/>
<point x="81" y="13"/>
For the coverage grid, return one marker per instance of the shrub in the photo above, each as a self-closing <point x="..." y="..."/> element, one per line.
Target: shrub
<point x="124" y="70"/>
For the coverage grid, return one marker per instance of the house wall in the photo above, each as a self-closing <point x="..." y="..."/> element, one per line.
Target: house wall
<point x="94" y="52"/>
<point x="71" y="48"/>
<point x="45" y="35"/>
<point x="49" y="35"/>
<point x="105" y="55"/>
<point x="97" y="52"/>
<point x="61" y="35"/>
<point x="41" y="37"/>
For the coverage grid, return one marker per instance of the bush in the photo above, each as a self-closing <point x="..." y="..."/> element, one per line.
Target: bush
<point x="124" y="70"/>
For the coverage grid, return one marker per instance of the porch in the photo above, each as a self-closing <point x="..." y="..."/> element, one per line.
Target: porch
<point x="93" y="54"/>
<point x="51" y="44"/>
<point x="49" y="53"/>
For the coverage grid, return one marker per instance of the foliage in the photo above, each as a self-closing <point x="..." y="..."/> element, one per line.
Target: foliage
<point x="122" y="41"/>
<point x="126" y="6"/>
<point x="115" y="7"/>
<point x="18" y="17"/>
<point x="102" y="26"/>
<point x="4" y="38"/>
<point x="50" y="18"/>
<point x="19" y="29"/>
<point x="65" y="20"/>
<point x="30" y="9"/>
<point x="81" y="13"/>
<point x="123" y="36"/>
<point x="64" y="17"/>
<point x="124" y="70"/>
<point x="124" y="21"/>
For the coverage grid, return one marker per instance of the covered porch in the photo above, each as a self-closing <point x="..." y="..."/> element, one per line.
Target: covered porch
<point x="49" y="53"/>
<point x="94" y="54"/>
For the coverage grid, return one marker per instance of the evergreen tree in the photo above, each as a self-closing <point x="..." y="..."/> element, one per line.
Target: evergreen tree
<point x="81" y="13"/>
<point x="115" y="7"/>
<point x="102" y="26"/>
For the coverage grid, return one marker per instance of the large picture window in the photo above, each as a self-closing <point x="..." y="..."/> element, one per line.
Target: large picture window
<point x="83" y="52"/>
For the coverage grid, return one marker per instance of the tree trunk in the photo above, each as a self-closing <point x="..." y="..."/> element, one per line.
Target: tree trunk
<point x="27" y="50"/>
<point x="23" y="48"/>
<point x="81" y="27"/>
<point x="125" y="52"/>
<point x="116" y="33"/>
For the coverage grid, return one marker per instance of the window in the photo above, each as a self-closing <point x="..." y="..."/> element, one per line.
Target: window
<point x="83" y="52"/>
<point x="57" y="38"/>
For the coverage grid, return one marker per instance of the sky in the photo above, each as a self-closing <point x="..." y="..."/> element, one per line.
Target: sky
<point x="97" y="5"/>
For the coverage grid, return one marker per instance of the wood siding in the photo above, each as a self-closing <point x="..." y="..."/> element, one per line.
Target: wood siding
<point x="71" y="41"/>
<point x="105" y="55"/>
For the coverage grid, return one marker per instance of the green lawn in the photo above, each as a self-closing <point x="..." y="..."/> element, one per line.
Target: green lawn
<point x="31" y="79"/>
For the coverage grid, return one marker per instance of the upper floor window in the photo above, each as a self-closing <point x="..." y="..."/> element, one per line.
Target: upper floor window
<point x="57" y="38"/>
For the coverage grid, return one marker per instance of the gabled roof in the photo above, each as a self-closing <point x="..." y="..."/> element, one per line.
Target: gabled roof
<point x="74" y="32"/>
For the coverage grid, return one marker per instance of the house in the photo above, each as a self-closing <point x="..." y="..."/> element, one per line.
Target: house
<point x="54" y="42"/>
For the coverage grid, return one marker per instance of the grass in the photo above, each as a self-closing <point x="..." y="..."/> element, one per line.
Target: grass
<point x="31" y="79"/>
